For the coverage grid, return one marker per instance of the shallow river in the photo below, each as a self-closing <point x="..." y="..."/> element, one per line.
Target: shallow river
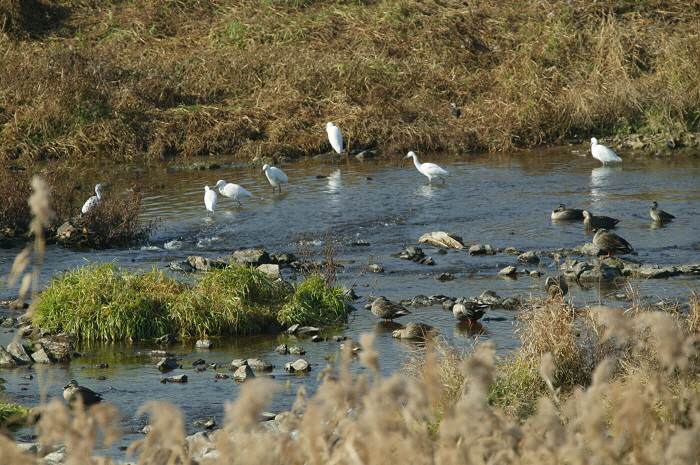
<point x="502" y="200"/>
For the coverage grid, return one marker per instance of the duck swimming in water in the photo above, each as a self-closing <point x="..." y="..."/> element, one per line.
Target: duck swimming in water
<point x="591" y="221"/>
<point x="659" y="215"/>
<point x="563" y="213"/>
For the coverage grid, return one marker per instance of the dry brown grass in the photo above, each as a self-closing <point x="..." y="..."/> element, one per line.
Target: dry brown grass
<point x="649" y="414"/>
<point x="145" y="79"/>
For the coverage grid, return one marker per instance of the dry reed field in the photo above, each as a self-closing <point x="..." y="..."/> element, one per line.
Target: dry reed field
<point x="142" y="79"/>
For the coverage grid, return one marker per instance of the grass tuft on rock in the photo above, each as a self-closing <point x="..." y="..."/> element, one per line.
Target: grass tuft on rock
<point x="107" y="303"/>
<point x="315" y="303"/>
<point x="103" y="302"/>
<point x="13" y="415"/>
<point x="233" y="300"/>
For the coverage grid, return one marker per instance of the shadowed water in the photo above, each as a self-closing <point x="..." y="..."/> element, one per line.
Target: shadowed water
<point x="501" y="200"/>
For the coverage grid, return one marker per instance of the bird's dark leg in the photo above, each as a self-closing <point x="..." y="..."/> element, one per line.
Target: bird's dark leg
<point x="239" y="202"/>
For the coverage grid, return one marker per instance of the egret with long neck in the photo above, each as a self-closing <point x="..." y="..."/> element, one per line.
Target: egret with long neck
<point x="431" y="170"/>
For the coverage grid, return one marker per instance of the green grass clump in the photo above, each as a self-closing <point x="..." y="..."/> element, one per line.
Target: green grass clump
<point x="106" y="303"/>
<point x="234" y="300"/>
<point x="13" y="415"/>
<point x="314" y="303"/>
<point x="103" y="302"/>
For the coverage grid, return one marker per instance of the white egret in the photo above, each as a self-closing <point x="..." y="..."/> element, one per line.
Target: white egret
<point x="94" y="200"/>
<point x="603" y="153"/>
<point x="275" y="176"/>
<point x="431" y="170"/>
<point x="334" y="137"/>
<point x="210" y="199"/>
<point x="231" y="190"/>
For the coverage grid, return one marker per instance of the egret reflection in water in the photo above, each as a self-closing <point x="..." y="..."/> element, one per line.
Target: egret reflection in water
<point x="602" y="180"/>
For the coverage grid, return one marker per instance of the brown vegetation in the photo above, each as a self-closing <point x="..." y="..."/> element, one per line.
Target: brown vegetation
<point x="640" y="404"/>
<point x="144" y="79"/>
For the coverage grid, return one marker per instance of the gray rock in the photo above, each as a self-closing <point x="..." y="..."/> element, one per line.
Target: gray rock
<point x="282" y="258"/>
<point x="295" y="350"/>
<point x="690" y="269"/>
<point x="221" y="376"/>
<point x="282" y="349"/>
<point x="204" y="344"/>
<point x="59" y="347"/>
<point x="198" y="444"/>
<point x="447" y="304"/>
<point x="55" y="458"/>
<point x="511" y="302"/>
<point x="254" y="257"/>
<point x="204" y="264"/>
<point x="243" y="372"/>
<point x="529" y="257"/>
<point x="480" y="249"/>
<point x="427" y="261"/>
<point x="490" y="297"/>
<point x="512" y="250"/>
<point x="8" y="323"/>
<point x="6" y="359"/>
<point x="293" y="329"/>
<point x="535" y="273"/>
<point x="272" y="270"/>
<point x="166" y="339"/>
<point x="508" y="271"/>
<point x="374" y="268"/>
<point x="167" y="364"/>
<point x="443" y="239"/>
<point x="257" y="364"/>
<point x="175" y="379"/>
<point x="267" y="416"/>
<point x="445" y="277"/>
<point x="316" y="338"/>
<point x="651" y="271"/>
<point x="300" y="366"/>
<point x="360" y="244"/>
<point x="237" y="363"/>
<point x="19" y="353"/>
<point x="349" y="294"/>
<point x="40" y="356"/>
<point x="209" y="424"/>
<point x="307" y="331"/>
<point x="589" y="249"/>
<point x="182" y="266"/>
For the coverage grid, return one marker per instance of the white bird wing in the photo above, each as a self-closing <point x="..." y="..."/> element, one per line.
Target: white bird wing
<point x="234" y="191"/>
<point x="278" y="175"/>
<point x="433" y="169"/>
<point x="90" y="204"/>
<point x="603" y="153"/>
<point x="210" y="200"/>
<point x="335" y="138"/>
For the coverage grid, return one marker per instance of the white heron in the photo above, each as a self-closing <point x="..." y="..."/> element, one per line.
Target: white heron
<point x="210" y="199"/>
<point x="231" y="190"/>
<point x="334" y="137"/>
<point x="276" y="177"/>
<point x="94" y="200"/>
<point x="603" y="153"/>
<point x="431" y="170"/>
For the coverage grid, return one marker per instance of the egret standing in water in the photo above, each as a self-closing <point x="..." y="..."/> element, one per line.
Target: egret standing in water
<point x="275" y="176"/>
<point x="431" y="170"/>
<point x="210" y="199"/>
<point x="94" y="200"/>
<point x="603" y="153"/>
<point x="334" y="137"/>
<point x="231" y="190"/>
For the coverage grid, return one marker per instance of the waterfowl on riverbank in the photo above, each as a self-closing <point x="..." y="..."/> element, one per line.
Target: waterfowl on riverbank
<point x="431" y="170"/>
<point x="659" y="215"/>
<point x="72" y="392"/>
<point x="334" y="137"/>
<point x="210" y="199"/>
<point x="470" y="312"/>
<point x="591" y="221"/>
<point x="611" y="243"/>
<point x="563" y="213"/>
<point x="415" y="331"/>
<point x="92" y="201"/>
<point x="603" y="153"/>
<point x="388" y="310"/>
<point x="231" y="190"/>
<point x="556" y="286"/>
<point x="275" y="176"/>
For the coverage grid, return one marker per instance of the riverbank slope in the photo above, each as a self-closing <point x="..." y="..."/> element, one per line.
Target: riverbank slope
<point x="139" y="79"/>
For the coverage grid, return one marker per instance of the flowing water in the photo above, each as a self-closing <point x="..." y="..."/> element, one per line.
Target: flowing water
<point x="502" y="200"/>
